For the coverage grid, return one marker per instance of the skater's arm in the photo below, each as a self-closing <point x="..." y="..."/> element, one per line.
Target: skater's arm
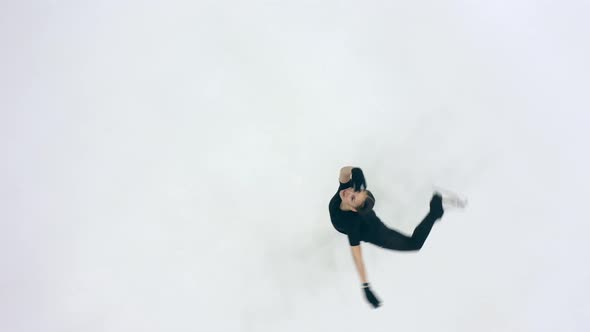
<point x="345" y="173"/>
<point x="358" y="261"/>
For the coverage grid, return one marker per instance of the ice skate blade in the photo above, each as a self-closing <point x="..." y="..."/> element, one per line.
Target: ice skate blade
<point x="450" y="198"/>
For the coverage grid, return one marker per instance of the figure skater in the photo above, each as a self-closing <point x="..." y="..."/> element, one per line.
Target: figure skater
<point x="351" y="212"/>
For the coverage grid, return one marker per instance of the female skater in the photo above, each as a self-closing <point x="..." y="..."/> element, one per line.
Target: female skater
<point x="351" y="212"/>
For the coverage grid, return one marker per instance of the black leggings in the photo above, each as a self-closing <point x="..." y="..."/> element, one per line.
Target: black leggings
<point x="388" y="238"/>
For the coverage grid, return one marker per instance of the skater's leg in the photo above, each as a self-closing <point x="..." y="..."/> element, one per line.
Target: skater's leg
<point x="390" y="239"/>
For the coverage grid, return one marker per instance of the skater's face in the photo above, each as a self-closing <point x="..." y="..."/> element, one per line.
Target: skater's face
<point x="352" y="198"/>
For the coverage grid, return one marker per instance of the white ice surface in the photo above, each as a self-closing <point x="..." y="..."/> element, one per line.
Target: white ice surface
<point x="167" y="166"/>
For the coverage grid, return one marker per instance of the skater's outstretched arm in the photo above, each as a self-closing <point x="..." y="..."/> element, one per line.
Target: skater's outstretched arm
<point x="358" y="261"/>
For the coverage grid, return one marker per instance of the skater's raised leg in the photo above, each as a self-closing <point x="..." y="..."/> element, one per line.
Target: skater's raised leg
<point x="390" y="239"/>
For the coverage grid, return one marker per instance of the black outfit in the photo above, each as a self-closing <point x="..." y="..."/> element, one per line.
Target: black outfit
<point x="370" y="228"/>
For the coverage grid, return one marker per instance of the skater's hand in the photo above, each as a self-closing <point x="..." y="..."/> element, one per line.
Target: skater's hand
<point x="358" y="179"/>
<point x="370" y="296"/>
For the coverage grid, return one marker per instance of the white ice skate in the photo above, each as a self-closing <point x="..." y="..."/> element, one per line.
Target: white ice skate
<point x="451" y="199"/>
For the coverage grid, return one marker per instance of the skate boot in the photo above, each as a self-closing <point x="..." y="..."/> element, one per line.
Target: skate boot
<point x="436" y="207"/>
<point x="451" y="199"/>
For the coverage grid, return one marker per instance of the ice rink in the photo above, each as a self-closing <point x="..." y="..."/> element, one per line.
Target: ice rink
<point x="167" y="166"/>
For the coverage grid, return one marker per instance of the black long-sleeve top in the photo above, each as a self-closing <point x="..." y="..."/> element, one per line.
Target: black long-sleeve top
<point x="350" y="222"/>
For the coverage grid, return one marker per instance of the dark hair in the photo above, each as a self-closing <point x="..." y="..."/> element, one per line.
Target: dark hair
<point x="368" y="205"/>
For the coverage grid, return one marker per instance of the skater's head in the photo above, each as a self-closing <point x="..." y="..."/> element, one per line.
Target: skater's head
<point x="361" y="201"/>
